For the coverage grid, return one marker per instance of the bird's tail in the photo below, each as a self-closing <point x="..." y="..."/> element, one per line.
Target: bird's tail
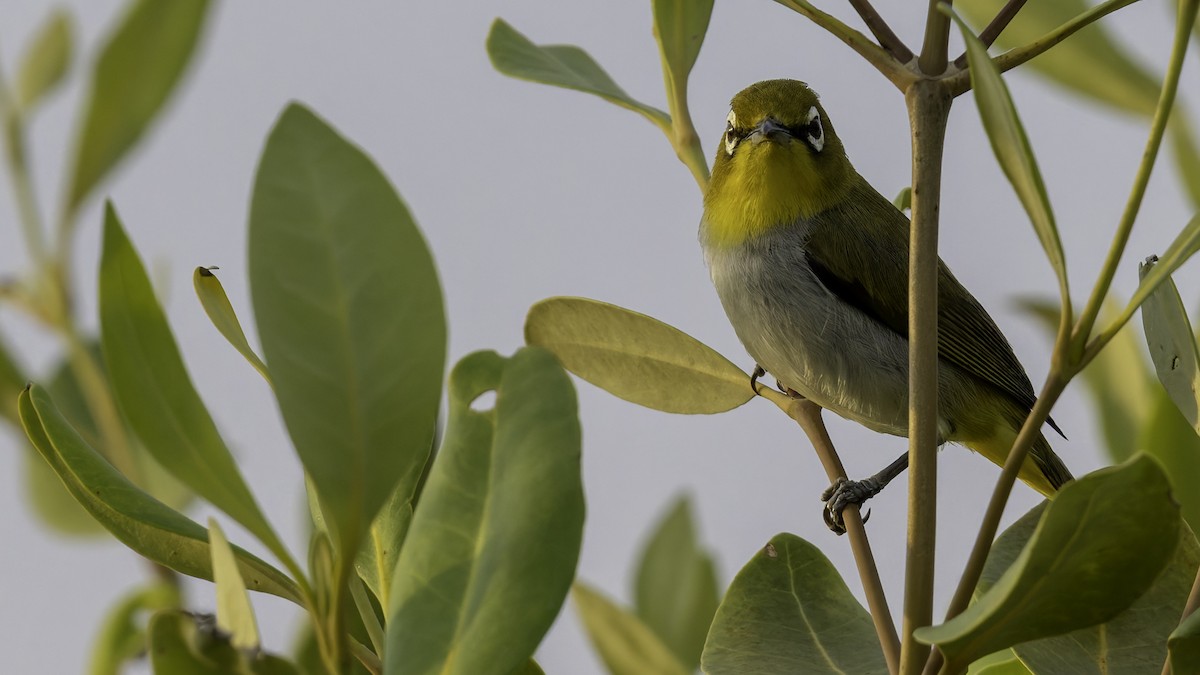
<point x="1043" y="470"/>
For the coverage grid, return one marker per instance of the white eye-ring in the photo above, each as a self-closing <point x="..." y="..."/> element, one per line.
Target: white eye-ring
<point x="731" y="136"/>
<point x="816" y="133"/>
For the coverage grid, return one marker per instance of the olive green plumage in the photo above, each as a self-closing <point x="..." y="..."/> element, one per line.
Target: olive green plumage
<point x="811" y="264"/>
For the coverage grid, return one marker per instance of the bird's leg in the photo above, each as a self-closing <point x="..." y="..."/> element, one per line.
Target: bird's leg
<point x="845" y="492"/>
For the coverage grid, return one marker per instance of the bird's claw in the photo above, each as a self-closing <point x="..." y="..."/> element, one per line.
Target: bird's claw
<point x="759" y="371"/>
<point x="844" y="493"/>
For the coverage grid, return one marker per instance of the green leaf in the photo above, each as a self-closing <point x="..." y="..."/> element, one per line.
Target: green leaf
<point x="999" y="663"/>
<point x="235" y="614"/>
<point x="1185" y="244"/>
<point x="492" y="548"/>
<point x="52" y="503"/>
<point x="137" y="70"/>
<point x="625" y="644"/>
<point x="122" y="632"/>
<point x="636" y="357"/>
<point x="564" y="66"/>
<point x="179" y="647"/>
<point x="219" y="310"/>
<point x="1012" y="148"/>
<point x="1118" y="380"/>
<point x="48" y="497"/>
<point x="788" y="611"/>
<point x="154" y="390"/>
<point x="68" y="396"/>
<point x="45" y="63"/>
<point x="1167" y="436"/>
<point x="1172" y="346"/>
<point x="1184" y="646"/>
<point x="677" y="593"/>
<point x="1098" y="547"/>
<point x="350" y="318"/>
<point x="679" y="27"/>
<point x="183" y="644"/>
<point x="141" y="522"/>
<point x="376" y="561"/>
<point x="530" y="668"/>
<point x="1132" y="642"/>
<point x="1090" y="63"/>
<point x="306" y="654"/>
<point x="903" y="200"/>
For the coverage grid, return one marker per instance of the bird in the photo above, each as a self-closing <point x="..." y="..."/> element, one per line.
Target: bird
<point x="810" y="263"/>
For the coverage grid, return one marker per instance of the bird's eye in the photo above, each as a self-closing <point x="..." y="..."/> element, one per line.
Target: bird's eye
<point x="731" y="134"/>
<point x="814" y="132"/>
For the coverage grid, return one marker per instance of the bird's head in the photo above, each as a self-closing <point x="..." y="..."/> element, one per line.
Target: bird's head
<point x="779" y="160"/>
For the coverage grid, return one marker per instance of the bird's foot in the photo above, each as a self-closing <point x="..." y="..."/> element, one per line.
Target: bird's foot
<point x="759" y="371"/>
<point x="844" y="493"/>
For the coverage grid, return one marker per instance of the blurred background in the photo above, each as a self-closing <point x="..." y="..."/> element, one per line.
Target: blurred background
<point x="525" y="192"/>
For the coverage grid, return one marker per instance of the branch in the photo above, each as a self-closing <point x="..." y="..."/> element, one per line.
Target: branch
<point x="882" y="31"/>
<point x="885" y="63"/>
<point x="937" y="39"/>
<point x="995" y="28"/>
<point x="929" y="109"/>
<point x="808" y="415"/>
<point x="1014" y="57"/>
<point x="1052" y="389"/>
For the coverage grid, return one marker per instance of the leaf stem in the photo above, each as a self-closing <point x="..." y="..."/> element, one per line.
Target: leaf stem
<point x="995" y="28"/>
<point x="808" y="415"/>
<point x="882" y="31"/>
<point x="367" y="613"/>
<point x="932" y="60"/>
<point x="928" y="104"/>
<point x="365" y="656"/>
<point x="1166" y="100"/>
<point x="23" y="192"/>
<point x="682" y="132"/>
<point x="885" y="63"/>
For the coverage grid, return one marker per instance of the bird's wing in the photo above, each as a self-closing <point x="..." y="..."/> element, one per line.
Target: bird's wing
<point x="850" y="263"/>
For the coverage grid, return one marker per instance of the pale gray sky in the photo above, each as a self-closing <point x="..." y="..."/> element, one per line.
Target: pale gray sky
<point x="524" y="192"/>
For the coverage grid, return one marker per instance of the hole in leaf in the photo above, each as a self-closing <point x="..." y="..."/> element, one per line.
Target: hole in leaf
<point x="484" y="402"/>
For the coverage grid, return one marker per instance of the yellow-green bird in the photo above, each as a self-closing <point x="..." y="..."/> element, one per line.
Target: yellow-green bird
<point x="811" y="265"/>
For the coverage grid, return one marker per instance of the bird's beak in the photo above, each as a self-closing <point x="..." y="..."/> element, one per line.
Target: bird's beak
<point x="769" y="130"/>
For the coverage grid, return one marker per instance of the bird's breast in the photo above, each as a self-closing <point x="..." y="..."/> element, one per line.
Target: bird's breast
<point x="806" y="336"/>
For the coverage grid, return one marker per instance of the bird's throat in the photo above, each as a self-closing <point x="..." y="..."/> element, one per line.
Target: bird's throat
<point x="757" y="193"/>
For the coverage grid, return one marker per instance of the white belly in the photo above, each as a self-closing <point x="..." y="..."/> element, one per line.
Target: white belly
<point x="809" y="339"/>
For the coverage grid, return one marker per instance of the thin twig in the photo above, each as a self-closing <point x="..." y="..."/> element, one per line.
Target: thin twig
<point x="937" y="40"/>
<point x="1014" y="57"/>
<point x="1166" y="100"/>
<point x="882" y="31"/>
<point x="973" y="570"/>
<point x="995" y="28"/>
<point x="884" y="62"/>
<point x="929" y="109"/>
<point x="808" y="415"/>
